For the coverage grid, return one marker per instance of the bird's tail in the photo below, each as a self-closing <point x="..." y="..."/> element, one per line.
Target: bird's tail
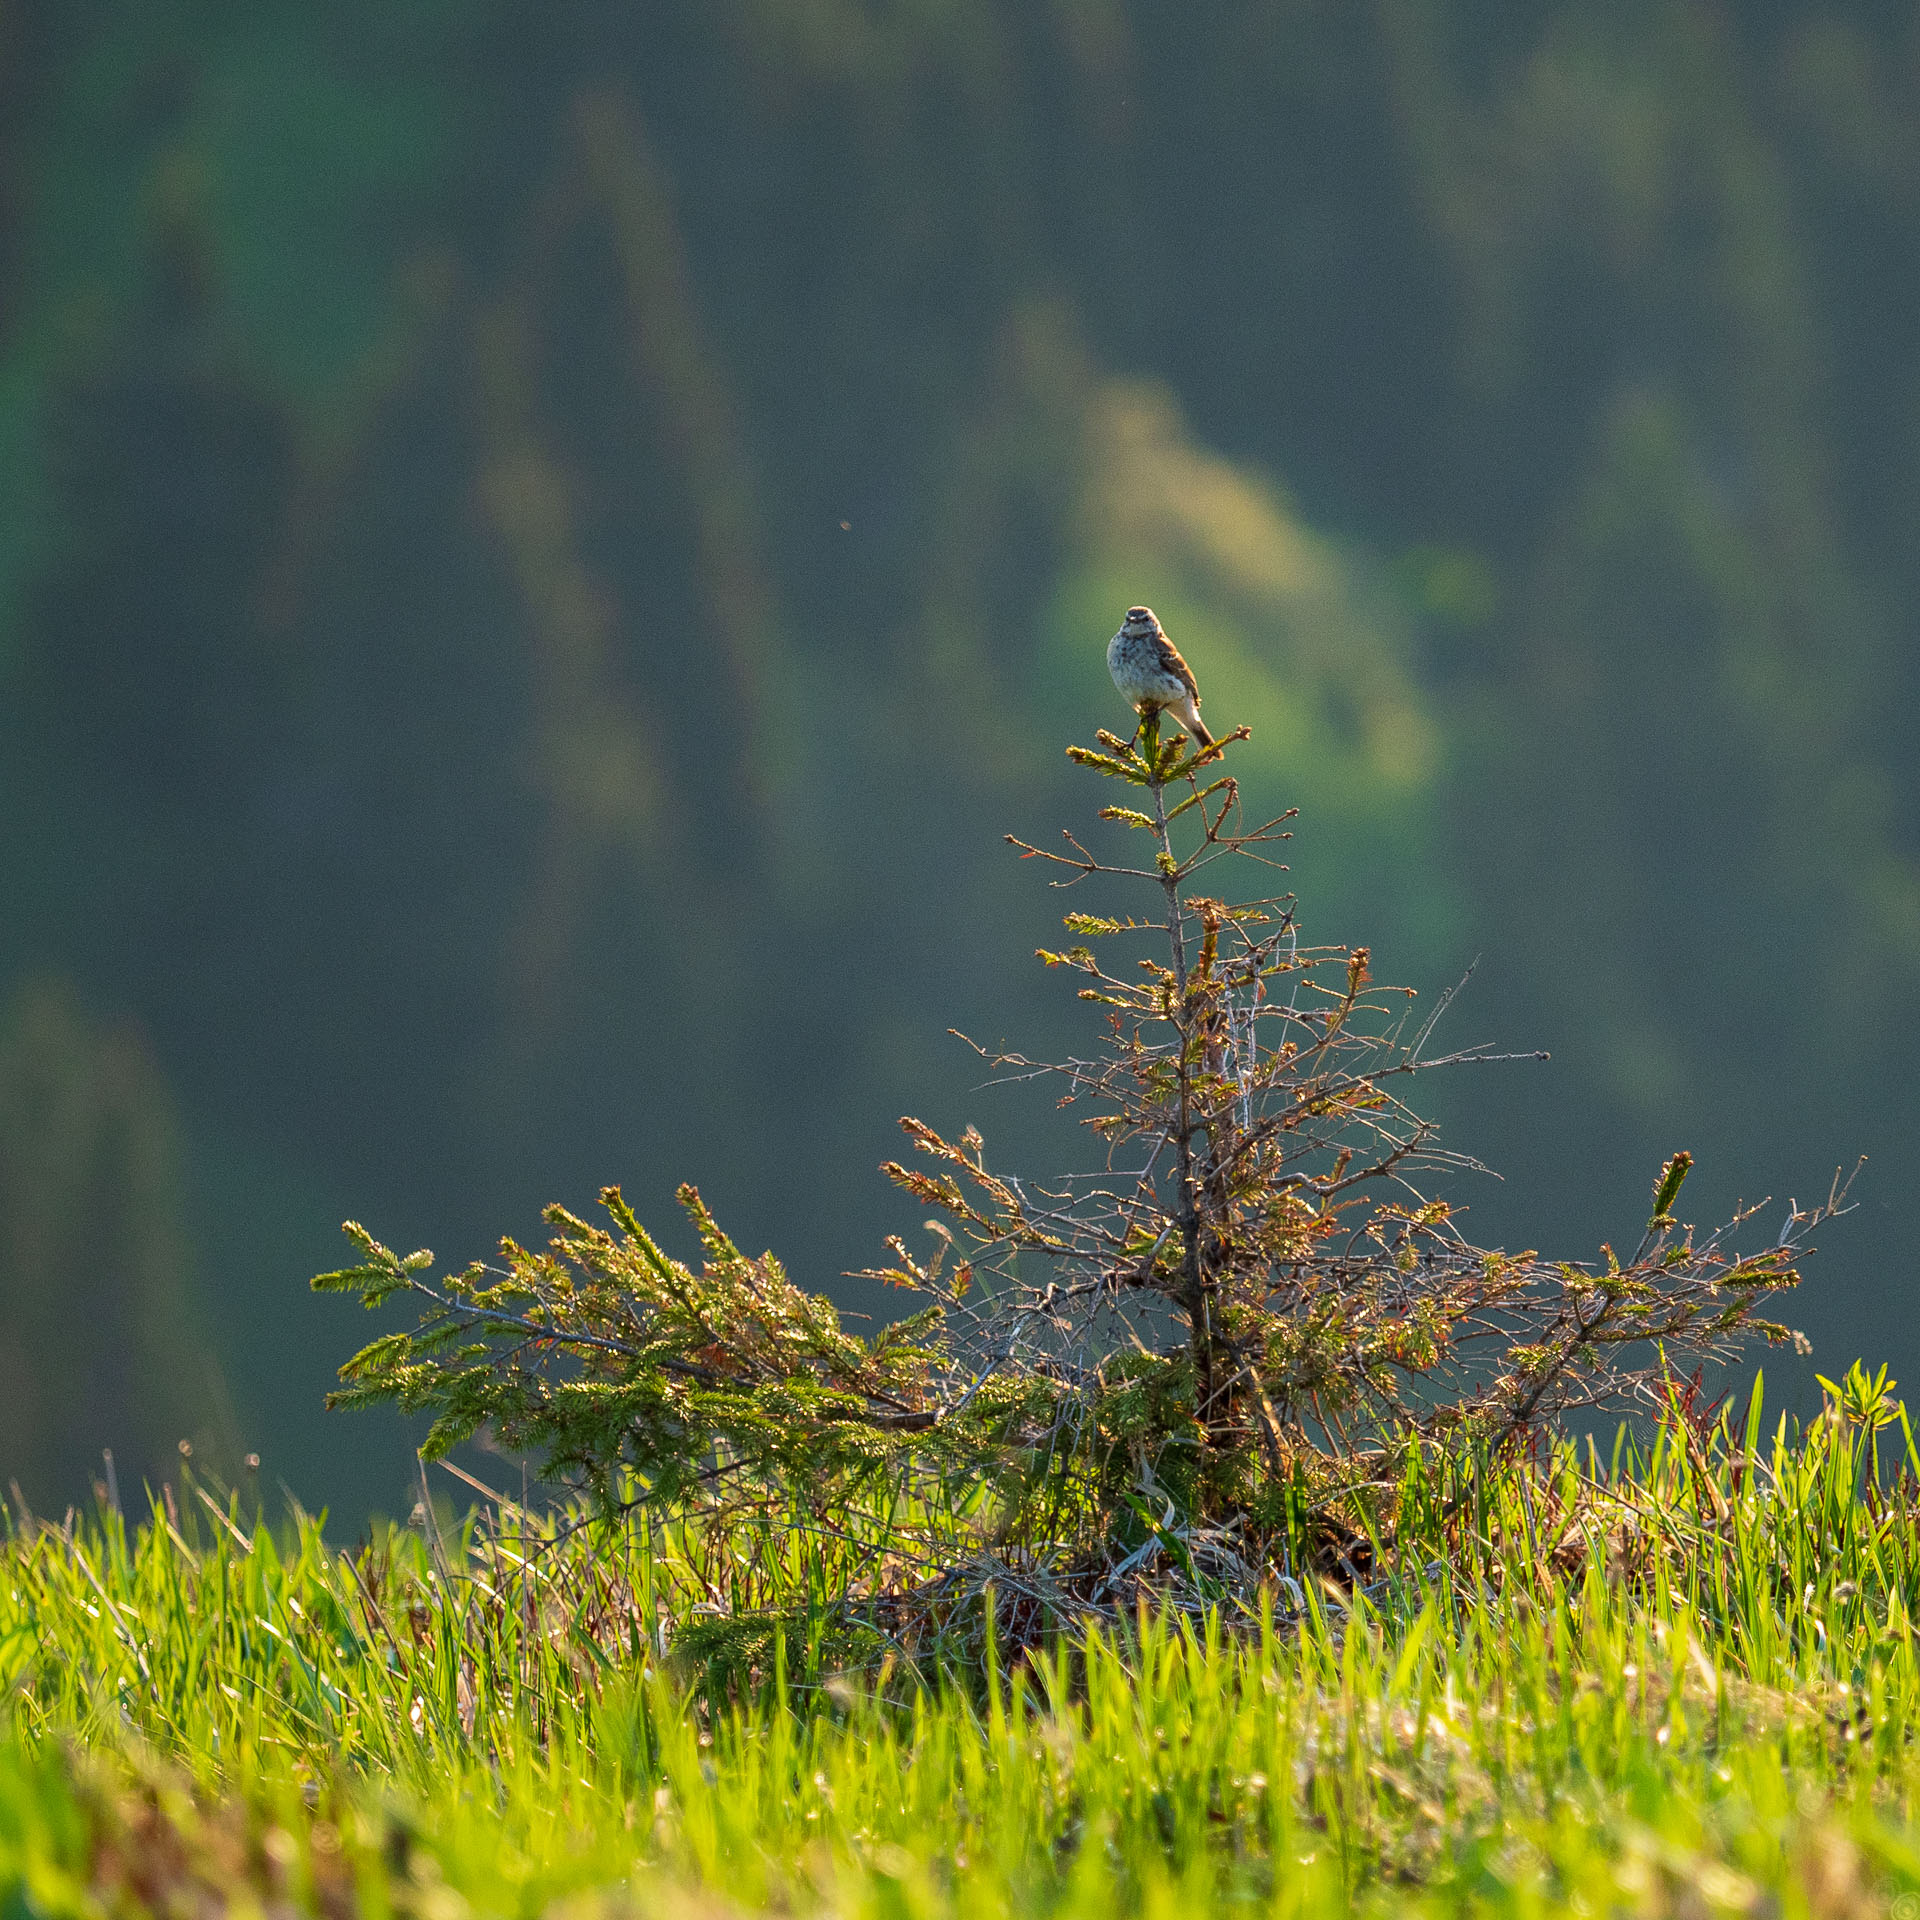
<point x="1189" y="716"/>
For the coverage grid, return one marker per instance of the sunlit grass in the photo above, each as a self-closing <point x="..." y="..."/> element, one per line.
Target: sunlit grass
<point x="1684" y="1685"/>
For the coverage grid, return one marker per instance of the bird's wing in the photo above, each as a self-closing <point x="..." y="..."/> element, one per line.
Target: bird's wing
<point x="1171" y="662"/>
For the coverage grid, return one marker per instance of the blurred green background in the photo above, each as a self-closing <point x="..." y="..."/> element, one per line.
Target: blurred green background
<point x="541" y="550"/>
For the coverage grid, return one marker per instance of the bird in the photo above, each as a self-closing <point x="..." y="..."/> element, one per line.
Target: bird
<point x="1147" y="668"/>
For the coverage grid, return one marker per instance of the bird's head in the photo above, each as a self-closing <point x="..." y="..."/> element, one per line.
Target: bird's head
<point x="1142" y="620"/>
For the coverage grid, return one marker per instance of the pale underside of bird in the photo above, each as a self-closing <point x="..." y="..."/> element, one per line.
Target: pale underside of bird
<point x="1147" y="668"/>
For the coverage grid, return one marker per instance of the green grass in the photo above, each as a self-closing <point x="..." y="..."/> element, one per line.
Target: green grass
<point x="1684" y="1686"/>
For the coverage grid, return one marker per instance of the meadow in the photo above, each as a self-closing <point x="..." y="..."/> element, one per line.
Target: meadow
<point x="1679" y="1681"/>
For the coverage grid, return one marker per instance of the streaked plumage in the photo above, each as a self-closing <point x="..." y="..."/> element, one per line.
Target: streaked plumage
<point x="1147" y="668"/>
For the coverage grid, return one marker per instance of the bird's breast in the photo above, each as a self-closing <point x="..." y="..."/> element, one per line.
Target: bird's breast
<point x="1135" y="665"/>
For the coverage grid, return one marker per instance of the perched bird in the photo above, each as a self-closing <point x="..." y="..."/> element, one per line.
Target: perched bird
<point x="1147" y="668"/>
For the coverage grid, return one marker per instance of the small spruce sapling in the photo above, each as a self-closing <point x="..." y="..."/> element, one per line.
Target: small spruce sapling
<point x="1255" y="1304"/>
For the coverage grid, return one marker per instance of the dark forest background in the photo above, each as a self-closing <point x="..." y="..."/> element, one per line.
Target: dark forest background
<point x="541" y="550"/>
